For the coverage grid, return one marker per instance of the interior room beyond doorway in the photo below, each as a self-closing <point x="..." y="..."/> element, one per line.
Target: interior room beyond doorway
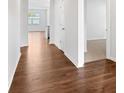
<point x="95" y="30"/>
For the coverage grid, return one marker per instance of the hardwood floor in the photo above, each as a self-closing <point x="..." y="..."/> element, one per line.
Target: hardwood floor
<point x="44" y="69"/>
<point x="96" y="50"/>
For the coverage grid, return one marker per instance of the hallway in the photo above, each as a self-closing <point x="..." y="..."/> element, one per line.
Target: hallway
<point x="44" y="69"/>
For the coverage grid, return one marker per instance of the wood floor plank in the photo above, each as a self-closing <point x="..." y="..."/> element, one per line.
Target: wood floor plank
<point x="43" y="68"/>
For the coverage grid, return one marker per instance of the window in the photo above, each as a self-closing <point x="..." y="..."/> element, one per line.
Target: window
<point x="33" y="18"/>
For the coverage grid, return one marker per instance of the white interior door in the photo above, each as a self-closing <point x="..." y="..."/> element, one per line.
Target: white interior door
<point x="62" y="27"/>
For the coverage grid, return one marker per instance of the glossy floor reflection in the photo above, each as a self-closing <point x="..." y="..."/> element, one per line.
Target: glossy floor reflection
<point x="44" y="69"/>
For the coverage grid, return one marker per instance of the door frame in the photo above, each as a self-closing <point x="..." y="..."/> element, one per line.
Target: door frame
<point x="107" y="31"/>
<point x="108" y="28"/>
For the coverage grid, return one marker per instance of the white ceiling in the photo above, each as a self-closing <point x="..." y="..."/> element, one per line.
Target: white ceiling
<point x="39" y="4"/>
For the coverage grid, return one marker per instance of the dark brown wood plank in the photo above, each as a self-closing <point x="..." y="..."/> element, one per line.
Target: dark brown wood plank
<point x="44" y="69"/>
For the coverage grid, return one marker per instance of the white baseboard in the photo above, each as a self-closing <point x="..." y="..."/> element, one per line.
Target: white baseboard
<point x="36" y="30"/>
<point x="68" y="56"/>
<point x="57" y="45"/>
<point x="97" y="39"/>
<point x="9" y="85"/>
<point x="71" y="59"/>
<point x="51" y="42"/>
<point x="85" y="51"/>
<point x="111" y="58"/>
<point x="23" y="45"/>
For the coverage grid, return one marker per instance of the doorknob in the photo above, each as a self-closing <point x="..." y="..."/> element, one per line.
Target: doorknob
<point x="63" y="28"/>
<point x="107" y="29"/>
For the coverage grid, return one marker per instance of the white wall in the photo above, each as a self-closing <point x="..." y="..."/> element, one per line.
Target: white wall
<point x="13" y="38"/>
<point x="24" y="23"/>
<point x="39" y="4"/>
<point x="45" y="15"/>
<point x="43" y="20"/>
<point x="96" y="19"/>
<point x="71" y="30"/>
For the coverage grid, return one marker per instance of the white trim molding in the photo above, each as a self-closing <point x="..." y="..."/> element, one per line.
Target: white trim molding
<point x="9" y="85"/>
<point x="23" y="45"/>
<point x="81" y="33"/>
<point x="112" y="58"/>
<point x="73" y="61"/>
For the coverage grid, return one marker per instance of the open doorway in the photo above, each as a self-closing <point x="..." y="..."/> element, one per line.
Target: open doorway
<point x="47" y="16"/>
<point x="95" y="30"/>
<point x="38" y="17"/>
